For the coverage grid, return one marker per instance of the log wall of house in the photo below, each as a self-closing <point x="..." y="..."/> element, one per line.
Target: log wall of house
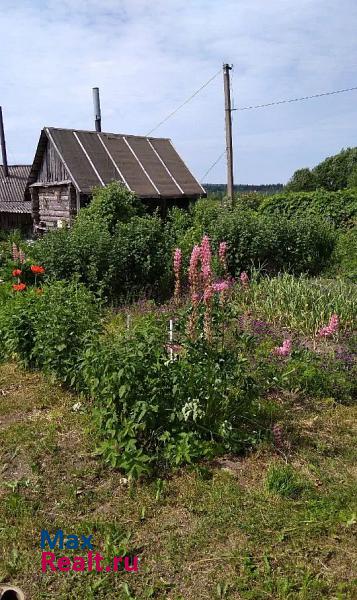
<point x="54" y="206"/>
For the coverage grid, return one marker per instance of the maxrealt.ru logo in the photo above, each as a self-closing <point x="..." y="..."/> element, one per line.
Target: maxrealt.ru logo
<point x="92" y="561"/>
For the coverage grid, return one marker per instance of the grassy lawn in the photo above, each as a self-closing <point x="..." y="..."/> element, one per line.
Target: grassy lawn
<point x="267" y="525"/>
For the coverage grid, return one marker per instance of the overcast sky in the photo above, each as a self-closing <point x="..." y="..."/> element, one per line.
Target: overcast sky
<point x="148" y="56"/>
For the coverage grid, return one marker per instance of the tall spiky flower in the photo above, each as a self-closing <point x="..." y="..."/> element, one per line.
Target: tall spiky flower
<point x="207" y="322"/>
<point x="222" y="253"/>
<point x="15" y="252"/>
<point x="244" y="278"/>
<point x="177" y="272"/>
<point x="206" y="259"/>
<point x="206" y="268"/>
<point x="194" y="281"/>
<point x="22" y="256"/>
<point x="331" y="328"/>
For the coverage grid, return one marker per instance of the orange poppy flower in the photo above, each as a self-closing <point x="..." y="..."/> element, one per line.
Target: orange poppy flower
<point x="19" y="287"/>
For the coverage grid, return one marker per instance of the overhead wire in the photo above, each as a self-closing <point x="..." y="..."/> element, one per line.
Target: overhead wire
<point x="184" y="103"/>
<point x="303" y="98"/>
<point x="213" y="165"/>
<point x="295" y="99"/>
<point x="241" y="108"/>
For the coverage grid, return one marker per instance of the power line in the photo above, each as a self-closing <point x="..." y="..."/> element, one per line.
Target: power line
<point x="213" y="165"/>
<point x="183" y="103"/>
<point x="296" y="99"/>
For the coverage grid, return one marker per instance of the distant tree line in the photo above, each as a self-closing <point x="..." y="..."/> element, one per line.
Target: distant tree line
<point x="220" y="189"/>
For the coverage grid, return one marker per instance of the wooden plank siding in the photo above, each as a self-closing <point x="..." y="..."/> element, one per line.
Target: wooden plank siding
<point x="52" y="169"/>
<point x="11" y="221"/>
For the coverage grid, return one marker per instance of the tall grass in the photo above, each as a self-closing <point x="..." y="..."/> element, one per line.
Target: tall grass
<point x="301" y="303"/>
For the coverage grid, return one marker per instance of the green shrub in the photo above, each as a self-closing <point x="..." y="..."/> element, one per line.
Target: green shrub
<point x="110" y="248"/>
<point x="140" y="259"/>
<point x="254" y="239"/>
<point x="344" y="258"/>
<point x="295" y="245"/>
<point x="338" y="208"/>
<point x="154" y="411"/>
<point x="50" y="330"/>
<point x="18" y="318"/>
<point x="112" y="204"/>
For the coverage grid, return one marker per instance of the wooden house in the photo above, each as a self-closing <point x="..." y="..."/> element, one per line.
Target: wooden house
<point x="15" y="202"/>
<point x="69" y="164"/>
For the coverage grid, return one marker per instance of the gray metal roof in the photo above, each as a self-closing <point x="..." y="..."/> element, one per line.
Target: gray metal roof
<point x="150" y="167"/>
<point x="12" y="189"/>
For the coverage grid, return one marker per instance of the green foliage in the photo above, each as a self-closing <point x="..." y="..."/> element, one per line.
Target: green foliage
<point x="54" y="251"/>
<point x="110" y="248"/>
<point x="307" y="373"/>
<point x="352" y="179"/>
<point x="152" y="410"/>
<point x="337" y="208"/>
<point x="49" y="331"/>
<point x="303" y="180"/>
<point x="254" y="239"/>
<point x="283" y="480"/>
<point x="344" y="258"/>
<point x="300" y="303"/>
<point x="295" y="245"/>
<point x="112" y="204"/>
<point x="334" y="173"/>
<point x="140" y="260"/>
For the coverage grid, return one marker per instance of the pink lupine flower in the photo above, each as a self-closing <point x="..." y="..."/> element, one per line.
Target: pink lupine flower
<point x="15" y="252"/>
<point x="331" y="328"/>
<point x="222" y="251"/>
<point x="284" y="350"/>
<point x="193" y="273"/>
<point x="244" y="278"/>
<point x="194" y="281"/>
<point x="177" y="272"/>
<point x="221" y="286"/>
<point x="177" y="260"/>
<point x="22" y="256"/>
<point x="206" y="257"/>
<point x="208" y="293"/>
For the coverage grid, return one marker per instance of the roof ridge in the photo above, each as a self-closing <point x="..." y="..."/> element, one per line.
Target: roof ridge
<point x="145" y="137"/>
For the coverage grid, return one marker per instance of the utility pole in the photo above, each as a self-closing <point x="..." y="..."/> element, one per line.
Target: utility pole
<point x="229" y="142"/>
<point x="3" y="146"/>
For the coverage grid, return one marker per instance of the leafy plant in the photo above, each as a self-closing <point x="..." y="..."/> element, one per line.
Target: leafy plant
<point x="283" y="480"/>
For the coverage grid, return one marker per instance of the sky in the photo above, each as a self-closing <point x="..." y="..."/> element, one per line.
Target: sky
<point x="148" y="56"/>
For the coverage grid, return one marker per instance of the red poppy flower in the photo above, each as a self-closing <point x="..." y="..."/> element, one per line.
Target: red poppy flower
<point x="37" y="270"/>
<point x="16" y="272"/>
<point x="19" y="287"/>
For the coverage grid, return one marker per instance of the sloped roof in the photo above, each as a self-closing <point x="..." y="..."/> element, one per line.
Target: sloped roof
<point x="148" y="166"/>
<point x="12" y="189"/>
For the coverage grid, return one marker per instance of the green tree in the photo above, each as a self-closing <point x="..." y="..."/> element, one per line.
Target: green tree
<point x="334" y="172"/>
<point x="352" y="180"/>
<point x="303" y="180"/>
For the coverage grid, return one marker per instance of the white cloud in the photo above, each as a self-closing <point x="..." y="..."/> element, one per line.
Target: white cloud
<point x="147" y="57"/>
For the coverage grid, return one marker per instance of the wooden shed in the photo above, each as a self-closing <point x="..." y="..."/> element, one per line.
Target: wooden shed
<point x="15" y="202"/>
<point x="69" y="163"/>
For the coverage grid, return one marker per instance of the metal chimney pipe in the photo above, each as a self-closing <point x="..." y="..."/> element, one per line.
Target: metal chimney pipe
<point x="3" y="146"/>
<point x="97" y="113"/>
